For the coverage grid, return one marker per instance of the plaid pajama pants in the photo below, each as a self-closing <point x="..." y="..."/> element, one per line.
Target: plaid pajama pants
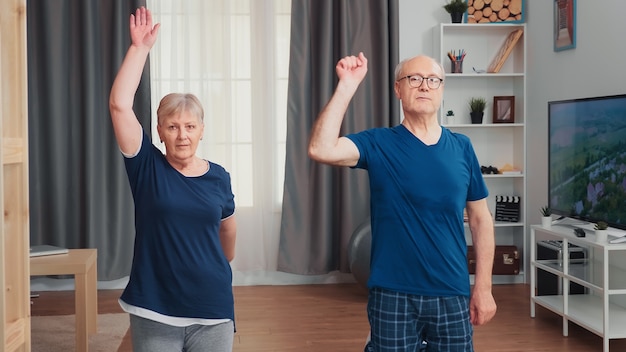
<point x="408" y="323"/>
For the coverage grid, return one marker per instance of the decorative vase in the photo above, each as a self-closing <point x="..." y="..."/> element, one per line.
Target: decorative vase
<point x="477" y="117"/>
<point x="601" y="236"/>
<point x="546" y="221"/>
<point x="457" y="17"/>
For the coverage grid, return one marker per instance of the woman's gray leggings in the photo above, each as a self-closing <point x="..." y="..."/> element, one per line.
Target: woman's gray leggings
<point x="151" y="336"/>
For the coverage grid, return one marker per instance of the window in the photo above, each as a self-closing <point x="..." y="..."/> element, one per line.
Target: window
<point x="234" y="55"/>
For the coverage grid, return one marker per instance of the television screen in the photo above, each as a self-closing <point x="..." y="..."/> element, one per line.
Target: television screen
<point x="587" y="159"/>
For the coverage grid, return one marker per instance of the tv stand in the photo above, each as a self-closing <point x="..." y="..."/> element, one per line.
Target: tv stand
<point x="616" y="232"/>
<point x="601" y="309"/>
<point x="590" y="226"/>
<point x="565" y="221"/>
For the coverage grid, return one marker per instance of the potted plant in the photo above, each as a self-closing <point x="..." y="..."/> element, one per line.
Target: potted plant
<point x="601" y="231"/>
<point x="601" y="225"/>
<point x="546" y="216"/>
<point x="477" y="109"/>
<point x="456" y="9"/>
<point x="450" y="117"/>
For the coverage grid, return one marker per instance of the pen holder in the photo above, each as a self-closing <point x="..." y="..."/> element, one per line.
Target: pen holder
<point x="456" y="66"/>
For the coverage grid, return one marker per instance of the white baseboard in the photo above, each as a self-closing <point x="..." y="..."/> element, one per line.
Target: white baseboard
<point x="240" y="278"/>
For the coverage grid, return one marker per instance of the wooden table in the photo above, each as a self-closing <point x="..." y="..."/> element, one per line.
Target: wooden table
<point x="82" y="263"/>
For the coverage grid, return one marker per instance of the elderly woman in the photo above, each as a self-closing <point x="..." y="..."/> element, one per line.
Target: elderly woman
<point x="179" y="295"/>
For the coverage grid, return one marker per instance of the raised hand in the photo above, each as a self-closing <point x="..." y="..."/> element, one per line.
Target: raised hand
<point x="352" y="68"/>
<point x="127" y="128"/>
<point x="142" y="32"/>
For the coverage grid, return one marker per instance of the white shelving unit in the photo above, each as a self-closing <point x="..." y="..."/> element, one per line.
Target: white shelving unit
<point x="496" y="144"/>
<point x="602" y="310"/>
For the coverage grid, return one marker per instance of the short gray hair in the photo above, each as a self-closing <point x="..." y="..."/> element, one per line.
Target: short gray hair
<point x="400" y="66"/>
<point x="175" y="103"/>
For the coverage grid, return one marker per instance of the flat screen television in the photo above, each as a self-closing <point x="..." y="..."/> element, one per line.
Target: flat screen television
<point x="587" y="159"/>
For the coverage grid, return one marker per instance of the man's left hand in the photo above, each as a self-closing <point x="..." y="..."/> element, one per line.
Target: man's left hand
<point x="482" y="306"/>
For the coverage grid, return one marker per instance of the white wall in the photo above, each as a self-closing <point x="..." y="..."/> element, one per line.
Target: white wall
<point x="417" y="20"/>
<point x="585" y="71"/>
<point x="590" y="69"/>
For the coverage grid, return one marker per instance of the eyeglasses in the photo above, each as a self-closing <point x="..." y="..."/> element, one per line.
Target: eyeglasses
<point x="416" y="81"/>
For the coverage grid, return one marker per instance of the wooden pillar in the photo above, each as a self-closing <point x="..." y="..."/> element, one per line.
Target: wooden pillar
<point x="14" y="234"/>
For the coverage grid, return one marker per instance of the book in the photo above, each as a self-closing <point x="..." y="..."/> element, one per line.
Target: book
<point x="45" y="249"/>
<point x="505" y="50"/>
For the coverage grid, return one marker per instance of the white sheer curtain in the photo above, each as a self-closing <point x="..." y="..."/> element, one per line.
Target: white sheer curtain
<point x="234" y="55"/>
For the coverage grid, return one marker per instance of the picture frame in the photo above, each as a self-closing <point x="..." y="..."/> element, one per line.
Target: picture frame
<point x="511" y="11"/>
<point x="564" y="24"/>
<point x="504" y="109"/>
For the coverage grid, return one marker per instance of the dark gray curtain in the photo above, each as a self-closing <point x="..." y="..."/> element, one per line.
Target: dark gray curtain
<point x="79" y="193"/>
<point x="323" y="205"/>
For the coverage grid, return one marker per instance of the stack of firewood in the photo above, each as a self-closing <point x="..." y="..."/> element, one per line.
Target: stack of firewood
<point x="481" y="11"/>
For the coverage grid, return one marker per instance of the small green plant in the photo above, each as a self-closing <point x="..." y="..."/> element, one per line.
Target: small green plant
<point x="601" y="225"/>
<point x="546" y="211"/>
<point x="477" y="104"/>
<point x="455" y="6"/>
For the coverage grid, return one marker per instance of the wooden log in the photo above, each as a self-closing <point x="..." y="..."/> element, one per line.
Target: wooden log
<point x="478" y="15"/>
<point x="470" y="10"/>
<point x="487" y="11"/>
<point x="515" y="7"/>
<point x="497" y="5"/>
<point x="479" y="4"/>
<point x="504" y="13"/>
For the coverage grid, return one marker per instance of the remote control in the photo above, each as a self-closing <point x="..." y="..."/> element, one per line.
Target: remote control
<point x="618" y="240"/>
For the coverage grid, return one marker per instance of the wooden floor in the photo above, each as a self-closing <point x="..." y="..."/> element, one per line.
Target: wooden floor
<point x="329" y="318"/>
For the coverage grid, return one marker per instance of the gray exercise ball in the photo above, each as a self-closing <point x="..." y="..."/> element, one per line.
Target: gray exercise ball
<point x="359" y="252"/>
